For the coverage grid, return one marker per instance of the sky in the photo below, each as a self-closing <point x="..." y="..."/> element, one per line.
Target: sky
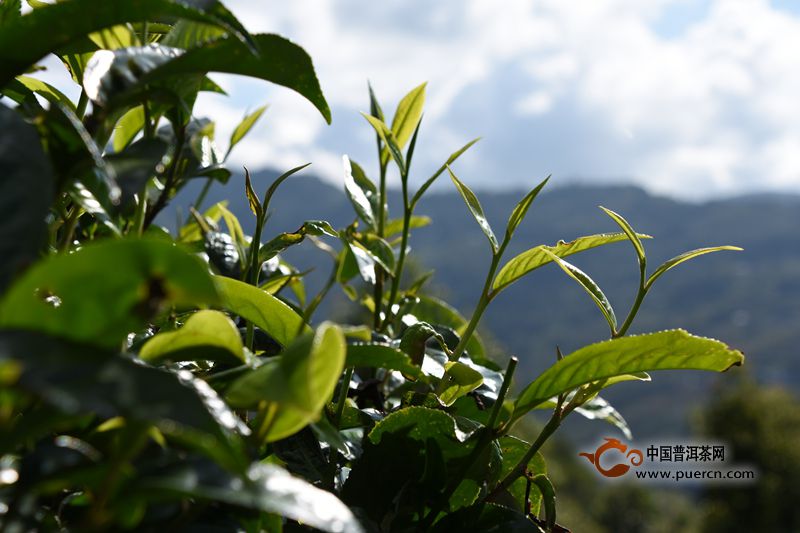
<point x="691" y="99"/>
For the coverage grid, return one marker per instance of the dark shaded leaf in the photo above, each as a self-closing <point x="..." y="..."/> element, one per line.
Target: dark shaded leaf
<point x="26" y="191"/>
<point x="63" y="23"/>
<point x="381" y="356"/>
<point x="78" y="378"/>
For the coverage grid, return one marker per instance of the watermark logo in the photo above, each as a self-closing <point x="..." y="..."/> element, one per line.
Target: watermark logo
<point x="633" y="457"/>
<point x="664" y="462"/>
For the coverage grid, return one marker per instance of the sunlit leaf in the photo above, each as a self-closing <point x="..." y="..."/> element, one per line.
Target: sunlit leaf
<point x="299" y="383"/>
<point x="665" y="350"/>
<point x="534" y="258"/>
<point x="677" y="260"/>
<point x="358" y="197"/>
<point x="207" y="335"/>
<point x="521" y="209"/>
<point x="408" y="114"/>
<point x="629" y="231"/>
<point x="244" y="127"/>
<point x="458" y="380"/>
<point x="475" y="208"/>
<point x="450" y="160"/>
<point x="389" y="141"/>
<point x="591" y="288"/>
<point x="127" y="127"/>
<point x="46" y="90"/>
<point x="262" y="309"/>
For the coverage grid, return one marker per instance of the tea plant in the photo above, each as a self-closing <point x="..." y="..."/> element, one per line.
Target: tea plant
<point x="154" y="381"/>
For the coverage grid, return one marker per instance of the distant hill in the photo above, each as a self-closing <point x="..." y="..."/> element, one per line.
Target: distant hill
<point x="750" y="299"/>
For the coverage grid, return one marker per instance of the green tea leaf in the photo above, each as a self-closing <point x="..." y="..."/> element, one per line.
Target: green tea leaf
<point x="380" y="250"/>
<point x="299" y="383"/>
<point x="435" y="311"/>
<point x="450" y="160"/>
<point x="60" y="24"/>
<point x="414" y="339"/>
<point x="81" y="378"/>
<point x="252" y="197"/>
<point x="591" y="288"/>
<point x="207" y="335"/>
<point x="381" y="356"/>
<point x="458" y="380"/>
<point x="77" y="297"/>
<point x="548" y="498"/>
<point x="46" y="90"/>
<point x="278" y="61"/>
<point x="283" y="241"/>
<point x="629" y="231"/>
<point x="127" y="127"/>
<point x="665" y="350"/>
<point x="513" y="450"/>
<point x="192" y="231"/>
<point x="521" y="209"/>
<point x="599" y="409"/>
<point x="389" y="142"/>
<point x="475" y="208"/>
<point x="418" y="423"/>
<point x="189" y="34"/>
<point x="395" y="226"/>
<point x="357" y="195"/>
<point x="136" y="164"/>
<point x="408" y="114"/>
<point x="244" y="128"/>
<point x="23" y="228"/>
<point x="536" y="257"/>
<point x="677" y="260"/>
<point x="264" y="310"/>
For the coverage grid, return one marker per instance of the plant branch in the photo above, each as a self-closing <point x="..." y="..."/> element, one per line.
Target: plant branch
<point x="487" y="435"/>
<point x="486" y="296"/>
<point x="640" y="294"/>
<point x="522" y="465"/>
<point x="180" y="139"/>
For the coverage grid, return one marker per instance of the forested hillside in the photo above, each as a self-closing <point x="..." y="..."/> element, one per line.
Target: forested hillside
<point x="751" y="299"/>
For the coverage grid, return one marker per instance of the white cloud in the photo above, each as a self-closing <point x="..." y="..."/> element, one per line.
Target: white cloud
<point x="585" y="88"/>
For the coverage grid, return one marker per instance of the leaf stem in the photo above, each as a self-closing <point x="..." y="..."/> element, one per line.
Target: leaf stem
<point x="83" y="102"/>
<point x="486" y="296"/>
<point x="522" y="465"/>
<point x="151" y="214"/>
<point x="640" y="294"/>
<point x="342" y="399"/>
<point x="253" y="272"/>
<point x="398" y="273"/>
<point x="378" y="292"/>
<point x="69" y="228"/>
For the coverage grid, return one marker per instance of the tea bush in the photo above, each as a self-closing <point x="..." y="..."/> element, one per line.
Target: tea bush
<point x="153" y="381"/>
